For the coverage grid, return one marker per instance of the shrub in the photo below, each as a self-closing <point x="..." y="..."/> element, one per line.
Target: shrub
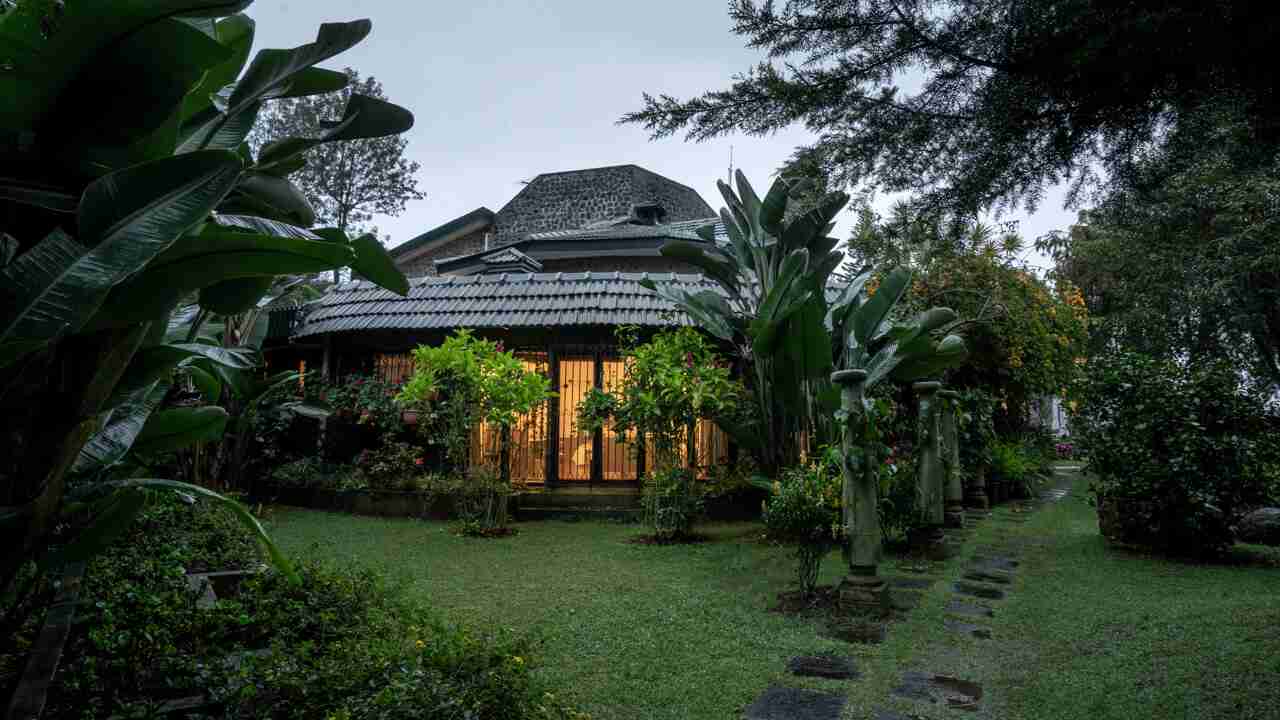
<point x="393" y="466"/>
<point x="315" y="473"/>
<point x="1178" y="452"/>
<point x="805" y="509"/>
<point x="334" y="643"/>
<point x="672" y="502"/>
<point x="482" y="503"/>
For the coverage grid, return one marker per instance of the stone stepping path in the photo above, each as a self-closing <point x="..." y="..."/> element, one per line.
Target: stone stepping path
<point x="831" y="667"/>
<point x="939" y="689"/>
<point x="956" y="607"/>
<point x="784" y="703"/>
<point x="988" y="576"/>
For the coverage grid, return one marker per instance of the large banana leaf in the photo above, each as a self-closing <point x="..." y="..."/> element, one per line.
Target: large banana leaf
<point x="236" y="34"/>
<point x="112" y="516"/>
<point x="119" y="427"/>
<point x="142" y="104"/>
<point x="704" y="307"/>
<point x="927" y="364"/>
<point x="126" y="218"/>
<point x="371" y="261"/>
<point x="210" y="130"/>
<point x="711" y="262"/>
<point x="230" y="297"/>
<point x="169" y="430"/>
<point x="151" y="364"/>
<point x="364" y="117"/>
<point x="38" y="68"/>
<point x="265" y="226"/>
<point x="272" y="197"/>
<point x="214" y="256"/>
<point x="868" y="317"/>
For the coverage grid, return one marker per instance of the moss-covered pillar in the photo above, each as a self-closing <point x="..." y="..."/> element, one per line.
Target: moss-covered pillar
<point x="929" y="538"/>
<point x="862" y="588"/>
<point x="953" y="492"/>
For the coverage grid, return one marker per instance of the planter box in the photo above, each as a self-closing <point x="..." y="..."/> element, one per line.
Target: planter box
<point x="380" y="503"/>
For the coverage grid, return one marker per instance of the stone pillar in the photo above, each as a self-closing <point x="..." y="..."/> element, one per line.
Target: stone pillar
<point x="929" y="475"/>
<point x="953" y="496"/>
<point x="862" y="588"/>
<point x="977" y="495"/>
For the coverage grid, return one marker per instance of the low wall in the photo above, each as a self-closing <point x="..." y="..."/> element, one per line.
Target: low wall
<point x="380" y="503"/>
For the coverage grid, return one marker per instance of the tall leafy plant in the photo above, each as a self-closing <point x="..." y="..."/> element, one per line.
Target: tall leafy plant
<point x="770" y="304"/>
<point x="109" y="224"/>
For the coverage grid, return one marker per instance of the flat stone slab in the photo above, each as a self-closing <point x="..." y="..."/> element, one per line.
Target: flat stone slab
<point x="978" y="591"/>
<point x="882" y="714"/>
<point x="905" y="583"/>
<point x="964" y="628"/>
<point x="858" y="630"/>
<point x="832" y="667"/>
<point x="783" y="703"/>
<point x="995" y="577"/>
<point x="998" y="562"/>
<point x="927" y="687"/>
<point x="957" y="607"/>
<point x="904" y="600"/>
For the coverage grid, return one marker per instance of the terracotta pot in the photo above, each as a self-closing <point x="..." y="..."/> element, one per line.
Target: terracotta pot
<point x="409" y="417"/>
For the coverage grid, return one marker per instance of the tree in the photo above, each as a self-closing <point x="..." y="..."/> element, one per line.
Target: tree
<point x="969" y="104"/>
<point x="347" y="183"/>
<point x="1181" y="257"/>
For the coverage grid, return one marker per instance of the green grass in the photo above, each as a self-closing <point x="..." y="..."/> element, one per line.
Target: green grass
<point x="634" y="631"/>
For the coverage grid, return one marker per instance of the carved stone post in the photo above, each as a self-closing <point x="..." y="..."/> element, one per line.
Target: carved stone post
<point x="929" y="477"/>
<point x="862" y="588"/>
<point x="953" y="497"/>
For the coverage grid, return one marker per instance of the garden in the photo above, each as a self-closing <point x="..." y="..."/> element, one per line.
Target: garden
<point x="195" y="533"/>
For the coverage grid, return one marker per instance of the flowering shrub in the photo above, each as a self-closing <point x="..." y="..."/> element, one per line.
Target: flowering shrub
<point x="1064" y="450"/>
<point x="365" y="400"/>
<point x="394" y="466"/>
<point x="805" y="509"/>
<point x="672" y="502"/>
<point x="1179" y="453"/>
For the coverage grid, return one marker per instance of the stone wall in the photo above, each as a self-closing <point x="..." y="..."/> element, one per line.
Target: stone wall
<point x="422" y="263"/>
<point x="567" y="200"/>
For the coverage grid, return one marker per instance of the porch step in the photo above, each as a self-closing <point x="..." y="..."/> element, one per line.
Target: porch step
<point x="581" y="498"/>
<point x="628" y="513"/>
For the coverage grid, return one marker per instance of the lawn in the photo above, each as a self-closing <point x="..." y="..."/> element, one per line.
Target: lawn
<point x="634" y="631"/>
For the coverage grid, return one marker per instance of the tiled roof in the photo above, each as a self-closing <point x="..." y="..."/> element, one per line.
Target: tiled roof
<point x="500" y="300"/>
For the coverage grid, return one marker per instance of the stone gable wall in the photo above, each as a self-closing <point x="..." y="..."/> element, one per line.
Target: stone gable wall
<point x="423" y="264"/>
<point x="563" y="201"/>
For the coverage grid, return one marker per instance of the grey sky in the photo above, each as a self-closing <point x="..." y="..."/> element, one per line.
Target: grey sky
<point x="502" y="91"/>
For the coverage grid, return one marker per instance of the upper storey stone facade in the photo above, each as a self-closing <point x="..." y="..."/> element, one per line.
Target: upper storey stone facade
<point x="574" y="199"/>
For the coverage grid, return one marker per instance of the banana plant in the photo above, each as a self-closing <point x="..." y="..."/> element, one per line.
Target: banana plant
<point x="110" y="223"/>
<point x="770" y="305"/>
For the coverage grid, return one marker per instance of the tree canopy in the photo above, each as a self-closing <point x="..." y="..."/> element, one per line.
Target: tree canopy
<point x="970" y="104"/>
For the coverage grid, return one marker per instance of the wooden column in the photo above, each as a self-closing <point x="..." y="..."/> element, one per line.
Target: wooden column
<point x="553" y="419"/>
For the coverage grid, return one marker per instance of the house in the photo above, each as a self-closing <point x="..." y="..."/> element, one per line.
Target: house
<point x="552" y="274"/>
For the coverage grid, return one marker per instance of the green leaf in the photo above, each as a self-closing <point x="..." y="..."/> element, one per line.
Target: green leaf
<point x="120" y="426"/>
<point x="126" y="219"/>
<point x="211" y="257"/>
<point x="364" y="117"/>
<point x="116" y="515"/>
<point x="231" y="297"/>
<point x="309" y="410"/>
<point x="151" y="364"/>
<point x="138" y="107"/>
<point x="868" y="316"/>
<point x="40" y="68"/>
<point x="169" y="430"/>
<point x="804" y="230"/>
<point x="774" y="206"/>
<point x="272" y="69"/>
<point x="206" y="382"/>
<point x="236" y="34"/>
<point x="712" y="263"/>
<point x="310" y="81"/>
<point x="209" y="130"/>
<point x="241" y="512"/>
<point x="373" y="262"/>
<point x="274" y="197"/>
<point x="265" y="226"/>
<point x="22" y="190"/>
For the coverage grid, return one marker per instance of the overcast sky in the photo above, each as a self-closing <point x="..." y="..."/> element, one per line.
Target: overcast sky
<point x="503" y="91"/>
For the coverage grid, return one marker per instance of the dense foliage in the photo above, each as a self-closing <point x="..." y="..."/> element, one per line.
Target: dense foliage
<point x="805" y="509"/>
<point x="1179" y="258"/>
<point x="336" y="643"/>
<point x="968" y="103"/>
<point x="110" y="225"/>
<point x="1179" y="451"/>
<point x="466" y="381"/>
